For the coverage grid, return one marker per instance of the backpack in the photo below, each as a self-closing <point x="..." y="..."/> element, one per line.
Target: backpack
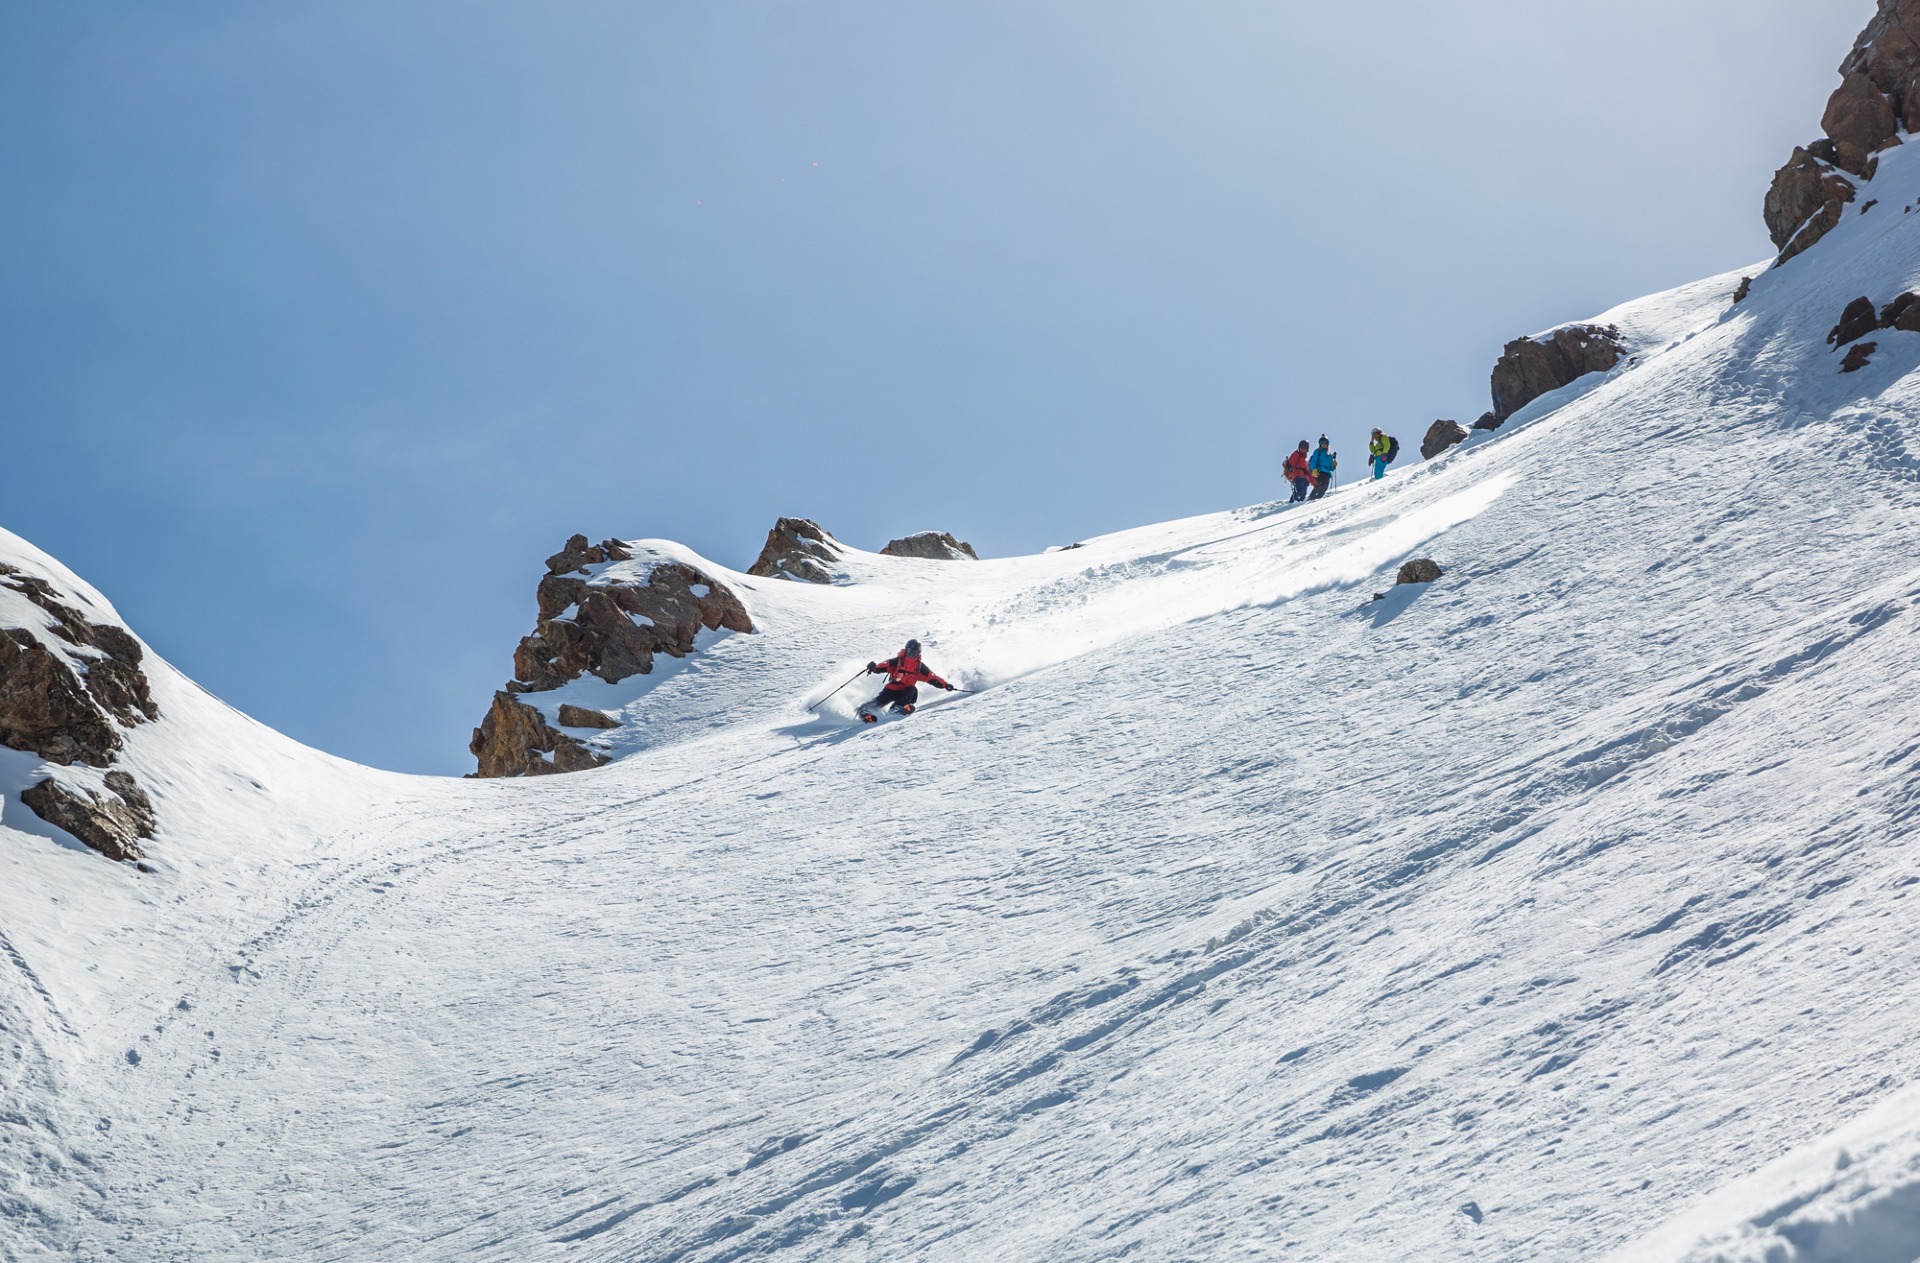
<point x="1393" y="448"/>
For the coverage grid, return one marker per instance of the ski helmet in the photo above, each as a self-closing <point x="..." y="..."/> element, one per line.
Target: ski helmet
<point x="913" y="649"/>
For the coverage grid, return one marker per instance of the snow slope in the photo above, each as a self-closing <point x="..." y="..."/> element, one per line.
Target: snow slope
<point x="1523" y="916"/>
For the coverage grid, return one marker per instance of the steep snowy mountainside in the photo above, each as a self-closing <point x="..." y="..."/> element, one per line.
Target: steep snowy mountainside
<point x="1239" y="914"/>
<point x="1559" y="908"/>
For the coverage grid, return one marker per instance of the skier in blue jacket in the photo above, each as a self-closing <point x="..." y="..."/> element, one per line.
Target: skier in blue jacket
<point x="1322" y="464"/>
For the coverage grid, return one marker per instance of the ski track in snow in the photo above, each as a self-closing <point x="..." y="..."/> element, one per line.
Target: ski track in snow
<point x="1238" y="915"/>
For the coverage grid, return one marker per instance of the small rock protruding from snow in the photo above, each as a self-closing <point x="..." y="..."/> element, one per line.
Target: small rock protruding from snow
<point x="1859" y="319"/>
<point x="931" y="546"/>
<point x="798" y="548"/>
<point x="572" y="716"/>
<point x="1419" y="570"/>
<point x="1859" y="356"/>
<point x="1440" y="436"/>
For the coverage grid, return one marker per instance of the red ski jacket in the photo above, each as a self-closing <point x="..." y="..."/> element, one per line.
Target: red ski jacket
<point x="904" y="672"/>
<point x="1296" y="466"/>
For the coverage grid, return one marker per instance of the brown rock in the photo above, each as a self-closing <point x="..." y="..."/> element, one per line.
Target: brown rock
<point x="930" y="546"/>
<point x="1440" y="436"/>
<point x="1888" y="53"/>
<point x="1891" y="314"/>
<point x="45" y="710"/>
<point x="112" y="824"/>
<point x="798" y="548"/>
<point x="1419" y="570"/>
<point x="115" y="681"/>
<point x="1531" y="367"/>
<point x="1860" y="121"/>
<point x="1859" y="356"/>
<point x="1805" y="203"/>
<point x="1746" y="288"/>
<point x="577" y="555"/>
<point x="513" y="737"/>
<point x="1859" y="319"/>
<point x="611" y="626"/>
<point x="1487" y="421"/>
<point x="572" y="716"/>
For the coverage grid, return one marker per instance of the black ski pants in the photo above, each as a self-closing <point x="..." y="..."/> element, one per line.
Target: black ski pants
<point x="1320" y="484"/>
<point x="895" y="698"/>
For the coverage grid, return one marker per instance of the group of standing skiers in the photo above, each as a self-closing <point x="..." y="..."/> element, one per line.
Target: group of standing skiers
<point x="1310" y="469"/>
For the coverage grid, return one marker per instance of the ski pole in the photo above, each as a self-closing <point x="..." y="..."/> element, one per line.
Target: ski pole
<point x="862" y="671"/>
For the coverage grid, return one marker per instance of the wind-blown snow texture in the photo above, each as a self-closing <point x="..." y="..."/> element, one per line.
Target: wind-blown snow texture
<point x="1238" y="916"/>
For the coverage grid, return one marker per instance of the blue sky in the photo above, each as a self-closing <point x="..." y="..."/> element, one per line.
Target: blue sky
<point x="322" y="324"/>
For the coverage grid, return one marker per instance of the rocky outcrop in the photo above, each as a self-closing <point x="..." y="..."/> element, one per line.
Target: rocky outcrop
<point x="1806" y="201"/>
<point x="613" y="630"/>
<point x="1419" y="570"/>
<point x="68" y="685"/>
<point x="931" y="546"/>
<point x="1878" y="96"/>
<point x="1531" y="367"/>
<point x="44" y="709"/>
<point x="516" y="740"/>
<point x="1440" y="436"/>
<point x="798" y="548"/>
<point x="1859" y="319"/>
<point x="113" y="823"/>
<point x="611" y="625"/>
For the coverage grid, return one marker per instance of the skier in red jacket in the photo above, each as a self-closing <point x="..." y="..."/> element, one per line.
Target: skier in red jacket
<point x="904" y="672"/>
<point x="1298" y="474"/>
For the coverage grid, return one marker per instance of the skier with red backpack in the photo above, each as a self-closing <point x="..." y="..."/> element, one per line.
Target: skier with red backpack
<point x="1297" y="472"/>
<point x="905" y="673"/>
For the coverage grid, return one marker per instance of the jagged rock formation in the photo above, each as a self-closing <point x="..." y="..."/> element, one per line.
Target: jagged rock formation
<point x="1859" y="356"/>
<point x="112" y="823"/>
<point x="610" y="625"/>
<point x="1440" y="436"/>
<point x="931" y="546"/>
<point x="67" y="705"/>
<point x="798" y="548"/>
<point x="516" y="740"/>
<point x="1531" y="367"/>
<point x="1879" y="94"/>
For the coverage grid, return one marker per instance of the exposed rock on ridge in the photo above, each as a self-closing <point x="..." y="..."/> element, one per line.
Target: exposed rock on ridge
<point x="931" y="546"/>
<point x="68" y="708"/>
<point x="1878" y="96"/>
<point x="610" y="626"/>
<point x="798" y="548"/>
<point x="1531" y="367"/>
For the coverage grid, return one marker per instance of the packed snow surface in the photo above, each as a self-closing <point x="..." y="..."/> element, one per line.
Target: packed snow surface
<point x="1560" y="907"/>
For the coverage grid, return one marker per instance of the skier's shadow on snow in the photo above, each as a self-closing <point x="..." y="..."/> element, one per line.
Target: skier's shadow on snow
<point x="1395" y="603"/>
